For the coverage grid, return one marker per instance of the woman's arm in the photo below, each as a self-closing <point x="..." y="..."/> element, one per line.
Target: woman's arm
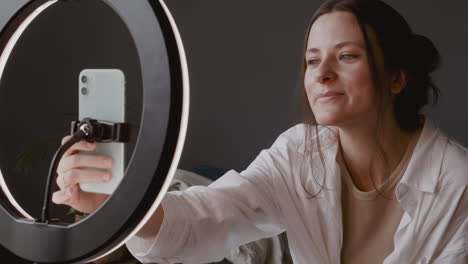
<point x="201" y="224"/>
<point x="151" y="228"/>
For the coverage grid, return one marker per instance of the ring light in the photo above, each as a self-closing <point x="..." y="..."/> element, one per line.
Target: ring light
<point x="157" y="152"/>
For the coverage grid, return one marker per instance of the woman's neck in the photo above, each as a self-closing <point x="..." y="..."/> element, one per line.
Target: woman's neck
<point x="364" y="161"/>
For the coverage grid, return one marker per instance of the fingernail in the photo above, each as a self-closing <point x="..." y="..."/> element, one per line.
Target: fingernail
<point x="106" y="177"/>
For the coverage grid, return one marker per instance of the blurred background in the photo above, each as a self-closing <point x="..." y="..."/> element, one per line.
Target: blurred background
<point x="244" y="62"/>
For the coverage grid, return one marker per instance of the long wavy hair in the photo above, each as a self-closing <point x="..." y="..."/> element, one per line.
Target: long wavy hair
<point x="403" y="51"/>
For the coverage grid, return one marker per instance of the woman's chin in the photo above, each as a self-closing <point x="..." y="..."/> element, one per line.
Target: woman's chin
<point x="329" y="120"/>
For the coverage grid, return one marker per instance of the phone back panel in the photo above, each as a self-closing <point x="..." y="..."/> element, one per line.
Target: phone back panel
<point x="102" y="97"/>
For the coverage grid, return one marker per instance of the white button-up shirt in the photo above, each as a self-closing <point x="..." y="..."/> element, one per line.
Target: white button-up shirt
<point x="201" y="224"/>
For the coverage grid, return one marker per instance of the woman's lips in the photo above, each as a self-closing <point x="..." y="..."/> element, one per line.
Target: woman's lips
<point x="328" y="96"/>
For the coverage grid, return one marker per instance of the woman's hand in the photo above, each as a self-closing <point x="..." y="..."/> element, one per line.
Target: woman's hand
<point x="70" y="174"/>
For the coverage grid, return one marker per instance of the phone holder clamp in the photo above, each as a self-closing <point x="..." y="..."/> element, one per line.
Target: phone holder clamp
<point x="102" y="131"/>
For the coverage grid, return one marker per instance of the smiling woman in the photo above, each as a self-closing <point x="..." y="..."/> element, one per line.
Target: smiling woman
<point x="389" y="185"/>
<point x="337" y="67"/>
<point x="359" y="81"/>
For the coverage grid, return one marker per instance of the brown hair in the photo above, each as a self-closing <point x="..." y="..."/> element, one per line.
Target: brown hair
<point x="415" y="55"/>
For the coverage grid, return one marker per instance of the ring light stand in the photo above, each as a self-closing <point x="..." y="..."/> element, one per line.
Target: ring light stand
<point x="157" y="151"/>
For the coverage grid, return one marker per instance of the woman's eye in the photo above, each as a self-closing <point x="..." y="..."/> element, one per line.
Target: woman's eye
<point x="312" y="62"/>
<point x="349" y="57"/>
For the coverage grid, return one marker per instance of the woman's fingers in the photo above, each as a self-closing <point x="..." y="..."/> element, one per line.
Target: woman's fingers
<point x="82" y="145"/>
<point x="71" y="172"/>
<point x="75" y="176"/>
<point x="79" y="200"/>
<point x="61" y="197"/>
<point x="84" y="161"/>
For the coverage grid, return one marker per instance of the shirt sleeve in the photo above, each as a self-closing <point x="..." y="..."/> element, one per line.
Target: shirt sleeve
<point x="202" y="223"/>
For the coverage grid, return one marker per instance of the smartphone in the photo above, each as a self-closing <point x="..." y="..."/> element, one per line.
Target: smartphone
<point x="102" y="97"/>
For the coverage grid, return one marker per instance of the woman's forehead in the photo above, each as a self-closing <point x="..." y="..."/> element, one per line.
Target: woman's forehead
<point x="333" y="28"/>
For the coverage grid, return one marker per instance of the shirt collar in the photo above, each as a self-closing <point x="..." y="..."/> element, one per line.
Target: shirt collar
<point x="425" y="164"/>
<point x="424" y="167"/>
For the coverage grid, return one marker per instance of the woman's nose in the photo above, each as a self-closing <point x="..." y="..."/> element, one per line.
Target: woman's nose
<point x="325" y="73"/>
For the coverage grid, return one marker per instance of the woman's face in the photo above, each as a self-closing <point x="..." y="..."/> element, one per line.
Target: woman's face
<point x="337" y="63"/>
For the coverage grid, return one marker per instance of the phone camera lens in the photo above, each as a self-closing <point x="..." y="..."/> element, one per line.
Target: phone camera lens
<point x="84" y="91"/>
<point x="84" y="79"/>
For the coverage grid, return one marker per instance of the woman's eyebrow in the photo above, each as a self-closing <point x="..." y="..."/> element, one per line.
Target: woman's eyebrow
<point x="339" y="45"/>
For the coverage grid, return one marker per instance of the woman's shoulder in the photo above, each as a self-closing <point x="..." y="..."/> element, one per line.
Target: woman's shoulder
<point x="303" y="137"/>
<point x="455" y="163"/>
<point x="439" y="161"/>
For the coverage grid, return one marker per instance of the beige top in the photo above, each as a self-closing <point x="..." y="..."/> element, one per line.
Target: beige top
<point x="370" y="220"/>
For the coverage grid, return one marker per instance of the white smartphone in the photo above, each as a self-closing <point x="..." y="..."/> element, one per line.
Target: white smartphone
<point x="102" y="97"/>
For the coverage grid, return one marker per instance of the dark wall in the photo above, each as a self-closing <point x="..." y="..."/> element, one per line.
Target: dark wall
<point x="244" y="60"/>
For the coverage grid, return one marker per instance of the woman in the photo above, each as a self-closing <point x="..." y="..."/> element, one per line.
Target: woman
<point x="366" y="179"/>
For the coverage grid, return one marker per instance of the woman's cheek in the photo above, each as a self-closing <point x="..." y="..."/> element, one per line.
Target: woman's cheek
<point x="307" y="81"/>
<point x="308" y="86"/>
<point x="309" y="94"/>
<point x="362" y="97"/>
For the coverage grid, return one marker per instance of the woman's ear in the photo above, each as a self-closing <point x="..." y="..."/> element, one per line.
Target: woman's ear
<point x="399" y="81"/>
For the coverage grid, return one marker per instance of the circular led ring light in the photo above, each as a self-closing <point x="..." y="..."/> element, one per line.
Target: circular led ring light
<point x="157" y="151"/>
